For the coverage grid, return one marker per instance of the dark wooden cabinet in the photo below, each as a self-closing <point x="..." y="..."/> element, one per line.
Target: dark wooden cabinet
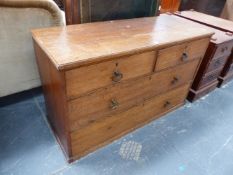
<point x="215" y="69"/>
<point x="221" y="24"/>
<point x="78" y="11"/>
<point x="212" y="65"/>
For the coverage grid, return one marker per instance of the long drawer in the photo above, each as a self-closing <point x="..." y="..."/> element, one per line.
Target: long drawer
<point x="217" y="63"/>
<point x="119" y="97"/>
<point x="210" y="77"/>
<point x="104" y="131"/>
<point x="179" y="54"/>
<point x="88" y="78"/>
<point x="223" y="49"/>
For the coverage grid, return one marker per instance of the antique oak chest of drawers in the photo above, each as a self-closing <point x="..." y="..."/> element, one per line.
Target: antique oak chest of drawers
<point x="223" y="25"/>
<point x="102" y="80"/>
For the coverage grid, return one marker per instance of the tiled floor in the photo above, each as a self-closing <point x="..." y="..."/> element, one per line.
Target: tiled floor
<point x="197" y="139"/>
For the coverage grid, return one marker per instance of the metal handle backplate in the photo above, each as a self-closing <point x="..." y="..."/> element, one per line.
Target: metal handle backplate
<point x="175" y="80"/>
<point x="167" y="104"/>
<point x="117" y="76"/>
<point x="114" y="104"/>
<point x="184" y="56"/>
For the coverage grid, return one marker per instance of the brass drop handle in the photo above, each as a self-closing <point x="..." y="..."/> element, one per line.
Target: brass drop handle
<point x="167" y="104"/>
<point x="175" y="80"/>
<point x="184" y="56"/>
<point x="114" y="104"/>
<point x="117" y="76"/>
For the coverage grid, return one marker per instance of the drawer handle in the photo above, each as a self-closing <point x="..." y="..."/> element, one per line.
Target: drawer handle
<point x="224" y="49"/>
<point x="167" y="104"/>
<point x="175" y="80"/>
<point x="184" y="57"/>
<point x="117" y="76"/>
<point x="114" y="104"/>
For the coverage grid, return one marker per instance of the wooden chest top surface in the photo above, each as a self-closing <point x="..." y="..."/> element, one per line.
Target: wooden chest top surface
<point x="77" y="45"/>
<point x="218" y="37"/>
<point x="208" y="19"/>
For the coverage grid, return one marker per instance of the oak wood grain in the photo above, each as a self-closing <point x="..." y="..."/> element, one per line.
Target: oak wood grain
<point x="173" y="56"/>
<point x="84" y="67"/>
<point x="55" y="99"/>
<point x="88" y="78"/>
<point x="112" y="127"/>
<point x="89" y="108"/>
<point x="90" y="43"/>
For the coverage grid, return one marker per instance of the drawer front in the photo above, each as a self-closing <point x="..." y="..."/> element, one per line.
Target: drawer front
<point x="87" y="109"/>
<point x="85" y="79"/>
<point x="223" y="49"/>
<point x="217" y="63"/>
<point x="104" y="131"/>
<point x="210" y="77"/>
<point x="179" y="54"/>
<point x="231" y="69"/>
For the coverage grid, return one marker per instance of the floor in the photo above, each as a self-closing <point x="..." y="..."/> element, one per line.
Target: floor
<point x="196" y="139"/>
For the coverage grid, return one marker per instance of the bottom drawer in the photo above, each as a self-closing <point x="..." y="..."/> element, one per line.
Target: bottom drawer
<point x="195" y="95"/>
<point x="217" y="63"/>
<point x="112" y="127"/>
<point x="210" y="77"/>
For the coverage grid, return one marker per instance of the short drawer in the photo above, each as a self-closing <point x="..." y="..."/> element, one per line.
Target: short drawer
<point x="112" y="127"/>
<point x="182" y="53"/>
<point x="217" y="63"/>
<point x="119" y="97"/>
<point x="223" y="49"/>
<point x="210" y="77"/>
<point x="85" y="79"/>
